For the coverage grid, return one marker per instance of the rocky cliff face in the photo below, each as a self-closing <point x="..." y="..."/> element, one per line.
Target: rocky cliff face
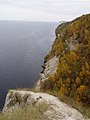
<point x="72" y="47"/>
<point x="57" y="110"/>
<point x="49" y="68"/>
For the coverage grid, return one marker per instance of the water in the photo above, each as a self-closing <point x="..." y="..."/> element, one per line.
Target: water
<point x="23" y="46"/>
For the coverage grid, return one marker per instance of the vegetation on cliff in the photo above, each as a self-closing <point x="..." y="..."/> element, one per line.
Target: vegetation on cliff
<point x="72" y="46"/>
<point x="27" y="112"/>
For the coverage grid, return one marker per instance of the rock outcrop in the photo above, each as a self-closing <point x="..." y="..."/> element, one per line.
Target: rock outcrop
<point x="49" y="68"/>
<point x="57" y="110"/>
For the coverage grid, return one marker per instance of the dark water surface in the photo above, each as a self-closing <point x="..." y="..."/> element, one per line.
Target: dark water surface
<point x="23" y="46"/>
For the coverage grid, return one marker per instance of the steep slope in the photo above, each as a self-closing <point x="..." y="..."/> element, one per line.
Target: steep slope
<point x="72" y="47"/>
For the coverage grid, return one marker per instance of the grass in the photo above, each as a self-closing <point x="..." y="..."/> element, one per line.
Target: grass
<point x="28" y="89"/>
<point x="28" y="112"/>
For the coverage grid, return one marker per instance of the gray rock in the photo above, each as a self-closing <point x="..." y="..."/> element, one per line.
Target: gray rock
<point x="50" y="68"/>
<point x="57" y="110"/>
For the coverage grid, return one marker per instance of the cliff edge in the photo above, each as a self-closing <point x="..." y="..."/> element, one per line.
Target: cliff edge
<point x="66" y="71"/>
<point x="57" y="110"/>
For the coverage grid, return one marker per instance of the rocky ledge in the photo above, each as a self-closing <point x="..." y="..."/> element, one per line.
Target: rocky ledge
<point x="49" y="68"/>
<point x="57" y="110"/>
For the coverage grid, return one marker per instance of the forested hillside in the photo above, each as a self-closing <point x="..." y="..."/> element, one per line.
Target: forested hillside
<point x="72" y="46"/>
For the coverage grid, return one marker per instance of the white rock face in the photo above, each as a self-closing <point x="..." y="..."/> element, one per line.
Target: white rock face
<point x="58" y="110"/>
<point x="50" y="68"/>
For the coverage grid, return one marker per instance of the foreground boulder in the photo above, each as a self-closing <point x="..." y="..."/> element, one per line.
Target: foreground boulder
<point x="57" y="110"/>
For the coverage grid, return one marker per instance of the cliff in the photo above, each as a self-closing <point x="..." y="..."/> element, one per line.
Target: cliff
<point x="72" y="72"/>
<point x="49" y="68"/>
<point x="69" y="75"/>
<point x="65" y="74"/>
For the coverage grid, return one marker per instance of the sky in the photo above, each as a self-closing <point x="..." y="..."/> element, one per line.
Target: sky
<point x="43" y="10"/>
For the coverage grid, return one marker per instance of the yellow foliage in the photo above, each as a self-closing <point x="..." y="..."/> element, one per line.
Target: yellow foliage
<point x="68" y="80"/>
<point x="72" y="76"/>
<point x="81" y="89"/>
<point x="87" y="65"/>
<point x="78" y="81"/>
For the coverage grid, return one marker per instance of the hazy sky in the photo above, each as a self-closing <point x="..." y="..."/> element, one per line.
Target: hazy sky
<point x="43" y="10"/>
